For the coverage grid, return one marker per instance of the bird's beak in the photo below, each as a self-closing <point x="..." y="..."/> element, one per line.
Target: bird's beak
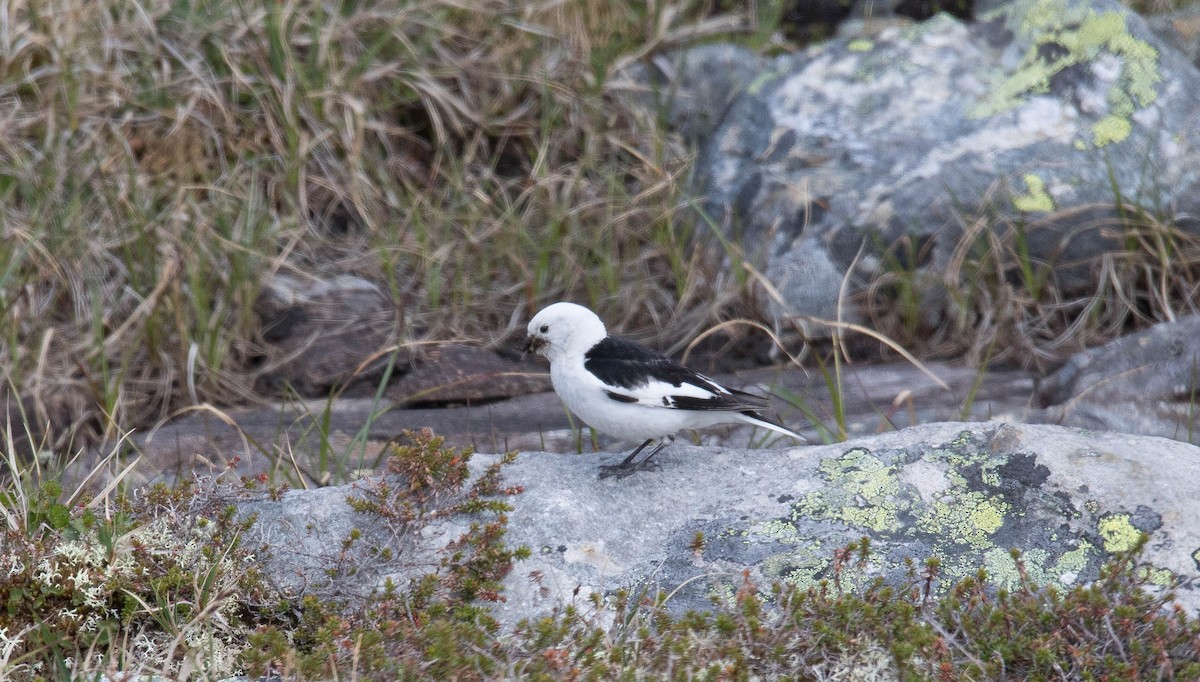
<point x="533" y="343"/>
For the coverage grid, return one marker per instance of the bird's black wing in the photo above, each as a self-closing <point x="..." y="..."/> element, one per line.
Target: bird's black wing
<point x="655" y="379"/>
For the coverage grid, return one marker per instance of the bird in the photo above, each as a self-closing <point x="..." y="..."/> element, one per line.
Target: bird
<point x="629" y="391"/>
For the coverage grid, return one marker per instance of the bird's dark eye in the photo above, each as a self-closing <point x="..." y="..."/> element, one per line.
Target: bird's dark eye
<point x="545" y="328"/>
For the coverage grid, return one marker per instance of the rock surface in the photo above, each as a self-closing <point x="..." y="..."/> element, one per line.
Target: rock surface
<point x="1161" y="363"/>
<point x="1041" y="119"/>
<point x="964" y="493"/>
<point x="1143" y="383"/>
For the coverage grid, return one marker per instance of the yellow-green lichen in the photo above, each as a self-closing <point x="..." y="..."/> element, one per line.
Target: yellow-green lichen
<point x="1000" y="567"/>
<point x="860" y="45"/>
<point x="800" y="568"/>
<point x="1035" y="198"/>
<point x="861" y="493"/>
<point x="1111" y="128"/>
<point x="1118" y="533"/>
<point x="958" y="524"/>
<point x="779" y="531"/>
<point x="761" y="80"/>
<point x="1155" y="575"/>
<point x="970" y="519"/>
<point x="1071" y="564"/>
<point x="723" y="593"/>
<point x="1002" y="570"/>
<point x="866" y="493"/>
<point x="1083" y="36"/>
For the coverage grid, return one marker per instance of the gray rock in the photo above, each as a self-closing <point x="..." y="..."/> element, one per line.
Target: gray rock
<point x="1160" y="363"/>
<point x="964" y="493"/>
<point x="323" y="334"/>
<point x="1144" y="383"/>
<point x="1180" y="29"/>
<point x="690" y="89"/>
<point x="1040" y="120"/>
<point x="1147" y="417"/>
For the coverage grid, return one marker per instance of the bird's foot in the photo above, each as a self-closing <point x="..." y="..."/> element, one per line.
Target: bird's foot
<point x="626" y="469"/>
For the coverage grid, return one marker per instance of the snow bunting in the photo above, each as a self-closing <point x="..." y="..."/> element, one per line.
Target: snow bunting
<point x="628" y="391"/>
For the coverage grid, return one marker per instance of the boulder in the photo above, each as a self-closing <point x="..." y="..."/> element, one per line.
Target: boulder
<point x="1044" y="129"/>
<point x="967" y="494"/>
<point x="1160" y="363"/>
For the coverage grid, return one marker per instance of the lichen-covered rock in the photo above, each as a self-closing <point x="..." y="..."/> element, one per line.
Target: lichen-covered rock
<point x="964" y="493"/>
<point x="1041" y="119"/>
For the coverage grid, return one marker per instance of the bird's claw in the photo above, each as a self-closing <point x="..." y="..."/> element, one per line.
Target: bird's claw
<point x="623" y="470"/>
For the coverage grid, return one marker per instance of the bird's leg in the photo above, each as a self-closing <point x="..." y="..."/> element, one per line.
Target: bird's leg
<point x="629" y="459"/>
<point x="664" y="443"/>
<point x="627" y="466"/>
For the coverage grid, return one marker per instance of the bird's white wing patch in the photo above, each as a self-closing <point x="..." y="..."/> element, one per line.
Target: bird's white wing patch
<point x="663" y="394"/>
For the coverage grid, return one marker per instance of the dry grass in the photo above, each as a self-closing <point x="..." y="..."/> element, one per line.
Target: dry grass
<point x="158" y="158"/>
<point x="1005" y="297"/>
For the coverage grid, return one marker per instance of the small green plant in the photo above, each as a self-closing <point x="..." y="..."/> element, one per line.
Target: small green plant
<point x="436" y="627"/>
<point x="1119" y="628"/>
<point x="159" y="581"/>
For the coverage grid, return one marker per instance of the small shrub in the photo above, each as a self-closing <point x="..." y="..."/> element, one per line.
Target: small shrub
<point x="436" y="627"/>
<point x="157" y="580"/>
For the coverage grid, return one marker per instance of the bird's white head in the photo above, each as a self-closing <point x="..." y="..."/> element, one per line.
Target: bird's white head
<point x="562" y="329"/>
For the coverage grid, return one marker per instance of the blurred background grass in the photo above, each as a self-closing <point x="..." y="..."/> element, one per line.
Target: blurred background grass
<point x="159" y="158"/>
